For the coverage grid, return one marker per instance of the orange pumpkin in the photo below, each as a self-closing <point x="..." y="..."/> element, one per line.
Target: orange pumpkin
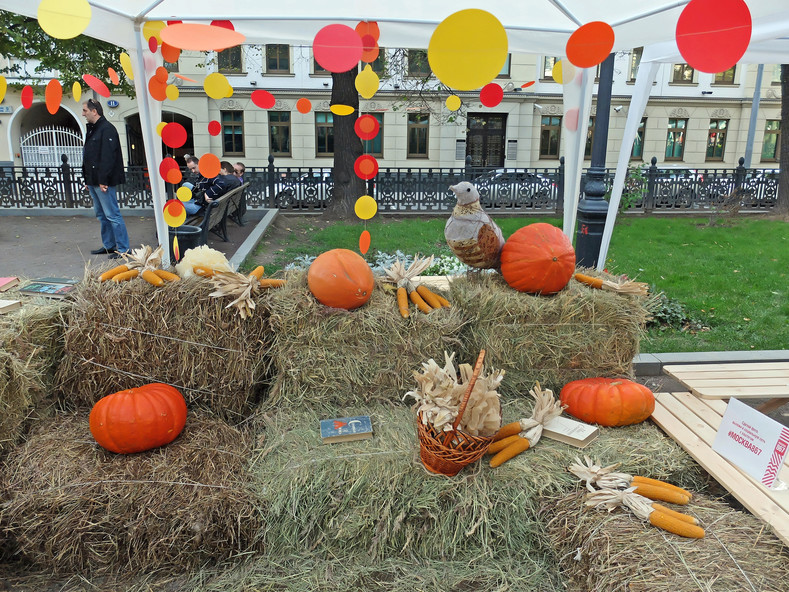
<point x="138" y="419"/>
<point x="608" y="401"/>
<point x="538" y="259"/>
<point x="341" y="279"/>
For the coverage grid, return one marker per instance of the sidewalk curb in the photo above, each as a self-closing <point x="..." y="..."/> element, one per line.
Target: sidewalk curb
<point x="253" y="239"/>
<point x="652" y="364"/>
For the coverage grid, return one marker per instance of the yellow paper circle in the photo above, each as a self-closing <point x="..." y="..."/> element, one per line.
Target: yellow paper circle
<point x="563" y="72"/>
<point x="367" y="82"/>
<point x="152" y="29"/>
<point x="468" y="49"/>
<point x="216" y="86"/>
<point x="172" y="92"/>
<point x="174" y="213"/>
<point x="3" y="87"/>
<point x="76" y="91"/>
<point x="365" y="207"/>
<point x="127" y="65"/>
<point x="184" y="193"/>
<point x="160" y="127"/>
<point x="341" y="109"/>
<point x="453" y="102"/>
<point x="64" y="19"/>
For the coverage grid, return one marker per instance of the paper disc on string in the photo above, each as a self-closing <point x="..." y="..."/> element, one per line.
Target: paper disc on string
<point x="304" y="105"/>
<point x="528" y="84"/>
<point x="153" y="44"/>
<point x="364" y="242"/>
<point x="337" y="48"/>
<point x="182" y="77"/>
<point x="570" y="119"/>
<point x="590" y="44"/>
<point x="3" y="87"/>
<point x="168" y="163"/>
<point x="172" y="92"/>
<point x="453" y="102"/>
<point x="370" y="49"/>
<point x="214" y="127"/>
<point x="126" y="64"/>
<point x="160" y="127"/>
<point x="96" y="84"/>
<point x="223" y="24"/>
<point x="342" y="110"/>
<point x="53" y="95"/>
<point x="368" y="28"/>
<point x="153" y="29"/>
<point x="468" y="49"/>
<point x="114" y="78"/>
<point x="174" y="213"/>
<point x="367" y="82"/>
<point x="27" y="96"/>
<point x="183" y="193"/>
<point x="712" y="35"/>
<point x="263" y="99"/>
<point x="174" y="135"/>
<point x="366" y="167"/>
<point x="170" y="54"/>
<point x="491" y="94"/>
<point x="216" y="86"/>
<point x="365" y="207"/>
<point x="174" y="176"/>
<point x="563" y="72"/>
<point x="157" y="89"/>
<point x="63" y="19"/>
<point x="76" y="91"/>
<point x="199" y="37"/>
<point x="366" y="127"/>
<point x="209" y="165"/>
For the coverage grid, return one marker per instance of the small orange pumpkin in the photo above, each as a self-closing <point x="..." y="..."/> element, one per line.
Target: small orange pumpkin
<point x="538" y="259"/>
<point x="138" y="419"/>
<point x="608" y="401"/>
<point x="341" y="279"/>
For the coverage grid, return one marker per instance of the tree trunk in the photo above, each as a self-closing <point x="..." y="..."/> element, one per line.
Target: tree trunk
<point x="348" y="187"/>
<point x="782" y="203"/>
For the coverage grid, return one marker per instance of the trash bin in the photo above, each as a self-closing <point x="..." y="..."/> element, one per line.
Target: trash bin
<point x="188" y="238"/>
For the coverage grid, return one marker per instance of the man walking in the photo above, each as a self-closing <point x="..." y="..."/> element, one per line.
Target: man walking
<point x="102" y="169"/>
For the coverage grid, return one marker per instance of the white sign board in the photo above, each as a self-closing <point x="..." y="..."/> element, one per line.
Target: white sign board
<point x="752" y="441"/>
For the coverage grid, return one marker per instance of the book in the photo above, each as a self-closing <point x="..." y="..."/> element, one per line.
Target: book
<point x="6" y="283"/>
<point x="345" y="429"/>
<point x="570" y="431"/>
<point x="9" y="305"/>
<point x="37" y="288"/>
<point x="56" y="280"/>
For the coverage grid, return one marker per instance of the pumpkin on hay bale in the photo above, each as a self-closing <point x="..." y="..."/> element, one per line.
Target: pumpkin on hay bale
<point x="71" y="506"/>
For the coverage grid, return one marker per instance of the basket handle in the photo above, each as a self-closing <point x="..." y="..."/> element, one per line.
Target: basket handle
<point x="462" y="409"/>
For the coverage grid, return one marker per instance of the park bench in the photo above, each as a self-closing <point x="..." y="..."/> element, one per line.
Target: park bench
<point x="214" y="216"/>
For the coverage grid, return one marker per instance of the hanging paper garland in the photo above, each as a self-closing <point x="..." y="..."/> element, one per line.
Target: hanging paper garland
<point x="366" y="127"/>
<point x="157" y="89"/>
<point x="153" y="44"/>
<point x="224" y="24"/>
<point x="174" y="213"/>
<point x="53" y="95"/>
<point x="27" y="96"/>
<point x="367" y="82"/>
<point x="365" y="207"/>
<point x="364" y="242"/>
<point x="172" y="92"/>
<point x="216" y="86"/>
<point x="168" y="163"/>
<point x="528" y="84"/>
<point x="114" y="78"/>
<point x="366" y="167"/>
<point x="563" y="72"/>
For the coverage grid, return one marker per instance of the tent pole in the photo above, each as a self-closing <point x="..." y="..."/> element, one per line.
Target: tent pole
<point x="757" y="97"/>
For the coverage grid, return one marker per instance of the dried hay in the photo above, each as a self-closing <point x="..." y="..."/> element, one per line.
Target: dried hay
<point x="326" y="356"/>
<point x="617" y="552"/>
<point x="73" y="507"/>
<point x="576" y="333"/>
<point x="122" y="335"/>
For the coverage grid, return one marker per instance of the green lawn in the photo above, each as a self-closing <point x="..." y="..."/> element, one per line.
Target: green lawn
<point x="729" y="280"/>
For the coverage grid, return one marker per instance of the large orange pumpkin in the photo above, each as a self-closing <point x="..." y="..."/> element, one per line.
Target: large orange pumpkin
<point x="138" y="419"/>
<point x="538" y="259"/>
<point x="341" y="279"/>
<point x="608" y="401"/>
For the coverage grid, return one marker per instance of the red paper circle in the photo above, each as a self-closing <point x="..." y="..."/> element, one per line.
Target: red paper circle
<point x="366" y="127"/>
<point x="174" y="135"/>
<point x="153" y="43"/>
<point x="491" y="94"/>
<point x="214" y="127"/>
<point x="174" y="22"/>
<point x="223" y="24"/>
<point x="370" y="49"/>
<point x="337" y="48"/>
<point x="712" y="35"/>
<point x="168" y="163"/>
<point x="263" y="99"/>
<point x="303" y="105"/>
<point x="53" y="95"/>
<point x="96" y="84"/>
<point x="209" y="165"/>
<point x="157" y="89"/>
<point x="590" y="44"/>
<point x="27" y="96"/>
<point x="366" y="167"/>
<point x="364" y="242"/>
<point x="174" y="207"/>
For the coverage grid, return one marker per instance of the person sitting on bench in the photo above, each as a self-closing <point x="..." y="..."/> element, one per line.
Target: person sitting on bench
<point x="207" y="190"/>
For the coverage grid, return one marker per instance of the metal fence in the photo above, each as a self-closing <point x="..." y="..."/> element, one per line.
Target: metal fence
<point x="648" y="189"/>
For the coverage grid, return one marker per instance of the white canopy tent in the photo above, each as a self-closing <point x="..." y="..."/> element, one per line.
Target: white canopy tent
<point x="533" y="26"/>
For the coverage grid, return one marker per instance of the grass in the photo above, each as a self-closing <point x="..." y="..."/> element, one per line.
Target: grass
<point x="726" y="284"/>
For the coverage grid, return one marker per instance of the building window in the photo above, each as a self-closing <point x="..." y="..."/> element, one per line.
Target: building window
<point x="229" y="60"/>
<point x="771" y="147"/>
<point x="380" y="63"/>
<point x="279" y="132"/>
<point x="505" y="70"/>
<point x="725" y="77"/>
<point x="418" y="124"/>
<point x="638" y="144"/>
<point x="171" y="66"/>
<point x="683" y="74"/>
<point x="675" y="139"/>
<point x="547" y="66"/>
<point x="716" y="139"/>
<point x="233" y="133"/>
<point x="635" y="62"/>
<point x="418" y="66"/>
<point x="776" y="79"/>
<point x="324" y="134"/>
<point x="318" y="70"/>
<point x="549" y="136"/>
<point x="589" y="139"/>
<point x="375" y="147"/>
<point x="277" y="59"/>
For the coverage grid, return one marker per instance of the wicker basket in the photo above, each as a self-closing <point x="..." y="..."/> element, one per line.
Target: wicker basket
<point x="446" y="453"/>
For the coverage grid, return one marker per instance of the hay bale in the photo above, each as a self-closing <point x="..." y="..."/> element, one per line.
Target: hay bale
<point x="576" y="333"/>
<point x="75" y="507"/>
<point x="326" y="356"/>
<point x="119" y="336"/>
<point x="617" y="552"/>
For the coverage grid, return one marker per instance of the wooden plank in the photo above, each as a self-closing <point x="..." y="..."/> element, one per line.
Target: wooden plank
<point x="731" y="374"/>
<point x="724" y="381"/>
<point x="754" y="392"/>
<point x="727" y="366"/>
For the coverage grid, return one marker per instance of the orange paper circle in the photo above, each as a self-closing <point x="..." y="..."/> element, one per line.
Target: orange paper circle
<point x="168" y="163"/>
<point x="161" y="74"/>
<point x="199" y="37"/>
<point x="174" y="176"/>
<point x="368" y="28"/>
<point x="364" y="242"/>
<point x="590" y="44"/>
<point x="53" y="96"/>
<point x="174" y="213"/>
<point x="170" y="54"/>
<point x="303" y="105"/>
<point x="114" y="78"/>
<point x="182" y="77"/>
<point x="157" y="89"/>
<point x="96" y="85"/>
<point x="209" y="165"/>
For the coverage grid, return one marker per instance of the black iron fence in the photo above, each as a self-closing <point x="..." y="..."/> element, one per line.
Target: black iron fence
<point x="648" y="189"/>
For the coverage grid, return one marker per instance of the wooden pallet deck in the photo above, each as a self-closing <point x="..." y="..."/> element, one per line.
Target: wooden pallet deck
<point x="693" y="423"/>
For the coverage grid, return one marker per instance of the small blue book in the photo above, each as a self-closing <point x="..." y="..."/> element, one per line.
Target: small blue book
<point x="345" y="429"/>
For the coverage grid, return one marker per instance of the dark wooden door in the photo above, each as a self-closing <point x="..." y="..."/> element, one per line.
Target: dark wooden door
<point x="485" y="139"/>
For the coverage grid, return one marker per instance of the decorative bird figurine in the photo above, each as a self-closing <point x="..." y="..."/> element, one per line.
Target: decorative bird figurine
<point x="471" y="234"/>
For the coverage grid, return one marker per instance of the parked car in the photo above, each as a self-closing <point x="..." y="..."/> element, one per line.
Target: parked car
<point x="299" y="185"/>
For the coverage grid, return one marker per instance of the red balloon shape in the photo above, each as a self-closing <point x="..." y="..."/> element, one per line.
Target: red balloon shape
<point x="166" y="166"/>
<point x="214" y="127"/>
<point x="364" y="242"/>
<point x="27" y="96"/>
<point x="174" y="135"/>
<point x="366" y="127"/>
<point x="96" y="84"/>
<point x="53" y="95"/>
<point x="366" y="167"/>
<point x="337" y="48"/>
<point x="590" y="44"/>
<point x="263" y="99"/>
<point x="491" y="94"/>
<point x="712" y="35"/>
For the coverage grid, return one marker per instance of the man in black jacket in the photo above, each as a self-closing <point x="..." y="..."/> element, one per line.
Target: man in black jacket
<point x="207" y="190"/>
<point x="102" y="169"/>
